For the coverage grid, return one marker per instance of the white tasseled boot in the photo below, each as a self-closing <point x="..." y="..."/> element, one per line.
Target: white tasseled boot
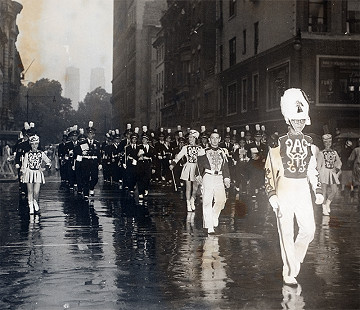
<point x="327" y="203"/>
<point x="192" y="203"/>
<point x="188" y="205"/>
<point x="324" y="209"/>
<point x="36" y="206"/>
<point x="31" y="207"/>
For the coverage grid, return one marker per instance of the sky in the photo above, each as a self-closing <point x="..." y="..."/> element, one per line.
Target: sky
<point x="60" y="33"/>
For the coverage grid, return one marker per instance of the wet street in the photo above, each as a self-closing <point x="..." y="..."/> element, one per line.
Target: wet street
<point x="124" y="254"/>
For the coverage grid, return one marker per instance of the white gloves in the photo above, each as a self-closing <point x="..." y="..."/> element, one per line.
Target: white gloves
<point x="274" y="202"/>
<point x="319" y="199"/>
<point x="100" y="167"/>
<point x="17" y="166"/>
<point x="227" y="182"/>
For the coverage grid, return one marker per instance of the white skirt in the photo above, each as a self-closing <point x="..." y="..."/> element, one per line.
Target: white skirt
<point x="33" y="176"/>
<point x="188" y="172"/>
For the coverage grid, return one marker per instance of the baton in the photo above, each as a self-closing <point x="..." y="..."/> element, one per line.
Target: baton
<point x="172" y="173"/>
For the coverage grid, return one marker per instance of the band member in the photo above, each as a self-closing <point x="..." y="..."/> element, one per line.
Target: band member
<point x="131" y="161"/>
<point x="329" y="165"/>
<point x="106" y="157"/>
<point x="257" y="152"/>
<point x="61" y="155"/>
<point x="188" y="172"/>
<point x="70" y="159"/>
<point x="145" y="156"/>
<point x="78" y="163"/>
<point x="241" y="161"/>
<point x="32" y="172"/>
<point x="22" y="147"/>
<point x="115" y="157"/>
<point x="91" y="161"/>
<point x="289" y="167"/>
<point x="214" y="169"/>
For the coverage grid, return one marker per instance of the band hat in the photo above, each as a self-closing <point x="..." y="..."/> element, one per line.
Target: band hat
<point x="34" y="139"/>
<point x="25" y="128"/>
<point x="327" y="137"/>
<point x="294" y="104"/>
<point x="194" y="133"/>
<point x="31" y="131"/>
<point x="91" y="128"/>
<point x="117" y="134"/>
<point x="145" y="136"/>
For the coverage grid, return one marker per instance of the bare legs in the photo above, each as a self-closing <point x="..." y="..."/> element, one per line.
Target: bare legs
<point x="191" y="190"/>
<point x="33" y="196"/>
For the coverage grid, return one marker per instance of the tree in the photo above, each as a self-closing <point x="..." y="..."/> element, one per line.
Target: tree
<point x="96" y="107"/>
<point x="41" y="103"/>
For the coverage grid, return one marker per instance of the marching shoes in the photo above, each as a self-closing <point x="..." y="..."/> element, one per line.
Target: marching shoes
<point x="326" y="207"/>
<point x="36" y="206"/>
<point x="31" y="207"/>
<point x="188" y="205"/>
<point x="192" y="203"/>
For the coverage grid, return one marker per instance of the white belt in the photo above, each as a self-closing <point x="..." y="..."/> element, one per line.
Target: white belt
<point x="90" y="157"/>
<point x="213" y="172"/>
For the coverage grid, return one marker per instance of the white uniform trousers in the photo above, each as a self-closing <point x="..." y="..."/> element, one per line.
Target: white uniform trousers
<point x="213" y="189"/>
<point x="294" y="199"/>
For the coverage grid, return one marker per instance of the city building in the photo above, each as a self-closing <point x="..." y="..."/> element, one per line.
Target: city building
<point x="72" y="85"/>
<point x="11" y="65"/>
<point x="136" y="24"/>
<point x="190" y="81"/>
<point x="264" y="47"/>
<point x="158" y="90"/>
<point x="97" y="78"/>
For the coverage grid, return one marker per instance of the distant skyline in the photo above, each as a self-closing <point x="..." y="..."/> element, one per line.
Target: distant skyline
<point x="63" y="33"/>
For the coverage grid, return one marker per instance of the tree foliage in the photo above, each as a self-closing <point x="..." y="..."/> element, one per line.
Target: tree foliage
<point x="41" y="103"/>
<point x="96" y="107"/>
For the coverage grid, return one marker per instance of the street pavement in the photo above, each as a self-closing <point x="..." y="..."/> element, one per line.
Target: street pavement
<point x="120" y="253"/>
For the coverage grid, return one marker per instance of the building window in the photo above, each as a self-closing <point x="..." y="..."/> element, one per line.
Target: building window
<point x="244" y="97"/>
<point x="232" y="51"/>
<point x="244" y="42"/>
<point x="277" y="82"/>
<point x="256" y="37"/>
<point x="221" y="58"/>
<point x="353" y="16"/>
<point x="338" y="81"/>
<point x="232" y="8"/>
<point x="220" y="101"/>
<point x="317" y="16"/>
<point x="209" y="102"/>
<point x="255" y="91"/>
<point x="231" y="102"/>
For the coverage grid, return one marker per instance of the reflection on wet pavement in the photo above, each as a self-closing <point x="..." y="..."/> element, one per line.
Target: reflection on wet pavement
<point x="122" y="254"/>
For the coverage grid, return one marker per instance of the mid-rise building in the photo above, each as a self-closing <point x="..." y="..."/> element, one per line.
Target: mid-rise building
<point x="11" y="65"/>
<point x="265" y="47"/>
<point x="97" y="78"/>
<point x="72" y="85"/>
<point x="136" y="24"/>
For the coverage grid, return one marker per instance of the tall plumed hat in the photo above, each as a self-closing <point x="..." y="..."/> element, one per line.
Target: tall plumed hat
<point x="25" y="128"/>
<point x="258" y="133"/>
<point x="81" y="135"/>
<point x="294" y="104"/>
<point x="34" y="139"/>
<point x="227" y="133"/>
<point x="194" y="133"/>
<point x="327" y="137"/>
<point x="91" y="128"/>
<point x="31" y="131"/>
<point x="117" y="134"/>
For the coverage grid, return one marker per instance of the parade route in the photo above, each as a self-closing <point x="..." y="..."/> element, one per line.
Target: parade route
<point x="122" y="253"/>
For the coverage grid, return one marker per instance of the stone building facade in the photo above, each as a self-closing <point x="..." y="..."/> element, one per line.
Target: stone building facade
<point x="11" y="65"/>
<point x="136" y="24"/>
